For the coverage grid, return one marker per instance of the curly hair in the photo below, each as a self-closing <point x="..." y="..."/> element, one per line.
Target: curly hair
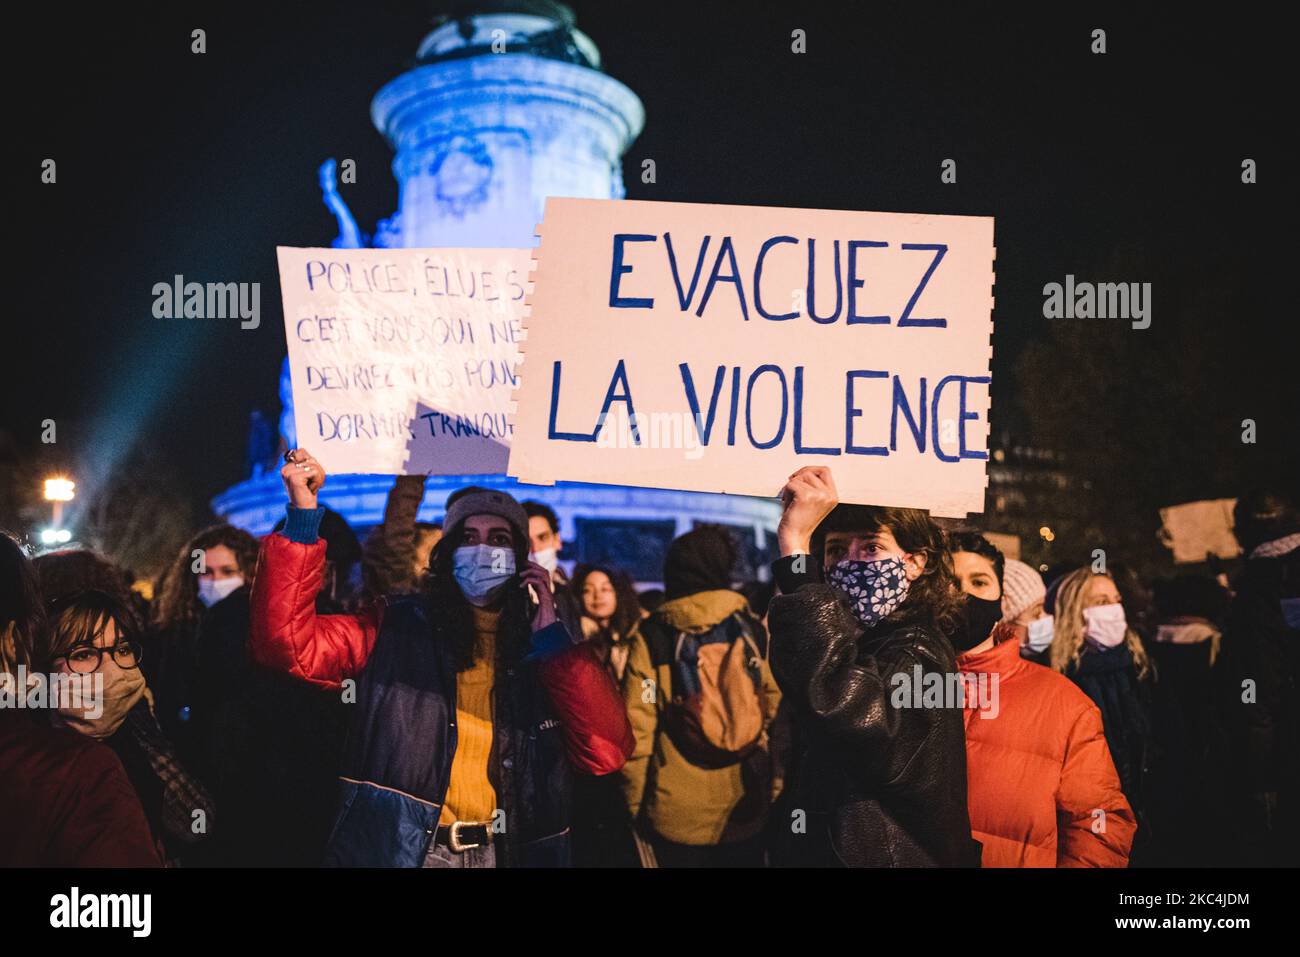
<point x="934" y="593"/>
<point x="178" y="594"/>
<point x="977" y="544"/>
<point x="1068" y="626"/>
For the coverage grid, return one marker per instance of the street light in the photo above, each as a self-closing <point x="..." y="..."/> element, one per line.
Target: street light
<point x="57" y="491"/>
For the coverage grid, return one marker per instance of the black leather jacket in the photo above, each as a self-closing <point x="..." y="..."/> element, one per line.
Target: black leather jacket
<point x="881" y="786"/>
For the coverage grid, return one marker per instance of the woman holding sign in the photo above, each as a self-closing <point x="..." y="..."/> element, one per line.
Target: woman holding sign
<point x="880" y="777"/>
<point x="472" y="701"/>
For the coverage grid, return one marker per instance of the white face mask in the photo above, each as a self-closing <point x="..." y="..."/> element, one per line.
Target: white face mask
<point x="212" y="590"/>
<point x="548" y="558"/>
<point x="1040" y="633"/>
<point x="1105" y="625"/>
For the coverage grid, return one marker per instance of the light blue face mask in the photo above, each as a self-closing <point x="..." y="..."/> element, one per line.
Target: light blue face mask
<point x="482" y="570"/>
<point x="1040" y="633"/>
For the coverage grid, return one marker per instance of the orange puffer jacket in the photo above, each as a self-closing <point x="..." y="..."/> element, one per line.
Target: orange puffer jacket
<point x="1042" y="788"/>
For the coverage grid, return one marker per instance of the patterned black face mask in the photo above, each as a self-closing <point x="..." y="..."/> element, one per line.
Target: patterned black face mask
<point x="874" y="589"/>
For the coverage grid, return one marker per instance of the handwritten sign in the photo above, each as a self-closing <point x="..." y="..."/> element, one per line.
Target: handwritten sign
<point x="404" y="360"/>
<point x="719" y="348"/>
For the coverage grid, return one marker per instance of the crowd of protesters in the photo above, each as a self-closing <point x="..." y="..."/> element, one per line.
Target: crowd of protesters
<point x="892" y="695"/>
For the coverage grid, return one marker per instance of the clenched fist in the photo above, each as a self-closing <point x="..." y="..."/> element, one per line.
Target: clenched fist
<point x="303" y="478"/>
<point x="808" y="497"/>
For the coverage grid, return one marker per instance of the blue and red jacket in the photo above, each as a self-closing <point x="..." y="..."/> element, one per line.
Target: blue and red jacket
<point x="555" y="711"/>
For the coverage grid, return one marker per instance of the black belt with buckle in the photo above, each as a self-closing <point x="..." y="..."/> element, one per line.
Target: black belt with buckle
<point x="464" y="835"/>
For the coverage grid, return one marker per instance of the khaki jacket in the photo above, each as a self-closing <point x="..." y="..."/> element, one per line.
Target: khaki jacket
<point x="680" y="801"/>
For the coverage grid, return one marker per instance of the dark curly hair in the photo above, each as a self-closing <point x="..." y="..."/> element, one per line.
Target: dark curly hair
<point x="977" y="544"/>
<point x="933" y="595"/>
<point x="178" y="592"/>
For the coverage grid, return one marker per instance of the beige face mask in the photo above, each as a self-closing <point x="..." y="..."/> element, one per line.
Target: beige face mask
<point x="123" y="687"/>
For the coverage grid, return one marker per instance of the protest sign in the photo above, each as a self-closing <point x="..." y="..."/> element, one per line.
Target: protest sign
<point x="1194" y="531"/>
<point x="403" y="360"/>
<point x="719" y="348"/>
<point x="1006" y="543"/>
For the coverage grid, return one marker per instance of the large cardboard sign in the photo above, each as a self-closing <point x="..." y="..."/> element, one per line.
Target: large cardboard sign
<point x="1194" y="531"/>
<point x="719" y="348"/>
<point x="404" y="360"/>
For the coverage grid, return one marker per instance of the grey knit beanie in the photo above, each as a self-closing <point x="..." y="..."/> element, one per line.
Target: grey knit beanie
<point x="476" y="500"/>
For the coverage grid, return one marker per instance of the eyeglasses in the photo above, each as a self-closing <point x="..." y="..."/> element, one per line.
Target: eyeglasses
<point x="86" y="659"/>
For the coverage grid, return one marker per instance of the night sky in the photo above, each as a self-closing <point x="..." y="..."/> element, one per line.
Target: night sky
<point x="1122" y="167"/>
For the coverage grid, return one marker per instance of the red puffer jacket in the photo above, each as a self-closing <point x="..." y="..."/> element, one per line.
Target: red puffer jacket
<point x="1042" y="788"/>
<point x="288" y="636"/>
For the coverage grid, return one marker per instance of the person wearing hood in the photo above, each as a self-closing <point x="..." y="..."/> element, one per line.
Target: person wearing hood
<point x="879" y="779"/>
<point x="471" y="704"/>
<point x="1042" y="788"/>
<point x="700" y="781"/>
<point x="1262" y="675"/>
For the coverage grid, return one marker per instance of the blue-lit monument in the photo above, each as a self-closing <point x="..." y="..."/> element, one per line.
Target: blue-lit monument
<point x="506" y="105"/>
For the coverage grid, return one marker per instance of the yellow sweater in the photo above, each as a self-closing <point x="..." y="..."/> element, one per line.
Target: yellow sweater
<point x="470" y="795"/>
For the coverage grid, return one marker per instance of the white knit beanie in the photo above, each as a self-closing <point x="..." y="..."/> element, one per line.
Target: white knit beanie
<point x="1022" y="586"/>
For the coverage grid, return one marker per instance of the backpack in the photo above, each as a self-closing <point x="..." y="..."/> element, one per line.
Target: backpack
<point x="715" y="716"/>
